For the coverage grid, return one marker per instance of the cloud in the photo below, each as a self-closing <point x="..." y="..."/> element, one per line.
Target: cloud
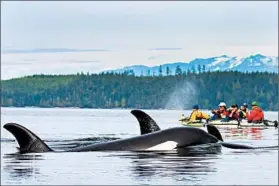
<point x="166" y="49"/>
<point x="19" y="64"/>
<point x="155" y="57"/>
<point x="74" y="36"/>
<point x="84" y="61"/>
<point x="137" y="25"/>
<point x="16" y="65"/>
<point x="49" y="50"/>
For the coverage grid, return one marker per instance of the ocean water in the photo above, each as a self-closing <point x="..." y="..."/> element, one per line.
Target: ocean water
<point x="63" y="128"/>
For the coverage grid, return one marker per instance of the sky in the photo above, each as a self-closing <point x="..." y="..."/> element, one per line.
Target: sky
<point x="108" y="35"/>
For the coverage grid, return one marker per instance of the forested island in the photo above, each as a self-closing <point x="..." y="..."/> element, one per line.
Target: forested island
<point x="110" y="90"/>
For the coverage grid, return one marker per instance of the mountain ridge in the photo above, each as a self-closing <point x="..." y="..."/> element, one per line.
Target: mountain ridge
<point x="251" y="63"/>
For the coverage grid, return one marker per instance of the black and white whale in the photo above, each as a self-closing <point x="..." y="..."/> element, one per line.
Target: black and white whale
<point x="168" y="139"/>
<point x="152" y="138"/>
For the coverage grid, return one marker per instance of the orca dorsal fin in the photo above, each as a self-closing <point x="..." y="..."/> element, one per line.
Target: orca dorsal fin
<point x="147" y="124"/>
<point x="211" y="129"/>
<point x="27" y="140"/>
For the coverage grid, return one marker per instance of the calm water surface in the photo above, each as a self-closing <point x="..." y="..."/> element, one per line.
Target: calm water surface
<point x="67" y="128"/>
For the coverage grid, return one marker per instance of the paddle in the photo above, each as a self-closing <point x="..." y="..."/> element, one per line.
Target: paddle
<point x="215" y="132"/>
<point x="265" y="121"/>
<point x="185" y="119"/>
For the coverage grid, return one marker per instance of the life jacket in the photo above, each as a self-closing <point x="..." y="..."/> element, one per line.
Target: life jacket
<point x="198" y="115"/>
<point x="256" y="114"/>
<point x="243" y="112"/>
<point x="224" y="113"/>
<point x="235" y="116"/>
<point x="201" y="115"/>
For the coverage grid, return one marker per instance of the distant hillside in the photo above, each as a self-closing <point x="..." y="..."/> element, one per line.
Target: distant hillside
<point x="251" y="63"/>
<point x="127" y="91"/>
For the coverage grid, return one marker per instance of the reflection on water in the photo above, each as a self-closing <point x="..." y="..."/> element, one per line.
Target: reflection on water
<point x="186" y="164"/>
<point x="253" y="133"/>
<point x="21" y="166"/>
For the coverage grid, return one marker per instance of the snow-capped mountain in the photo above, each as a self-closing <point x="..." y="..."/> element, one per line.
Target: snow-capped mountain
<point x="222" y="63"/>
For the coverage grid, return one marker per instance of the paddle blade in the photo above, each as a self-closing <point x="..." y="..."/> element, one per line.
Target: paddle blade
<point x="211" y="129"/>
<point x="276" y="124"/>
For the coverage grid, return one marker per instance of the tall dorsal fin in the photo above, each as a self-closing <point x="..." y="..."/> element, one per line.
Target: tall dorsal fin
<point x="147" y="124"/>
<point x="27" y="140"/>
<point x="211" y="129"/>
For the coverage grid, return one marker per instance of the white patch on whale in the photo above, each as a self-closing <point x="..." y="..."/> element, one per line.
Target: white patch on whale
<point x="168" y="145"/>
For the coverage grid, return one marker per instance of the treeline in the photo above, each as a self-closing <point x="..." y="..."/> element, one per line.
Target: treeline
<point x="147" y="92"/>
<point x="168" y="72"/>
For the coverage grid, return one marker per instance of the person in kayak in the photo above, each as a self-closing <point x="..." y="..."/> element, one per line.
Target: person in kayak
<point x="233" y="112"/>
<point x="197" y="115"/>
<point x="243" y="110"/>
<point x="221" y="113"/>
<point x="256" y="114"/>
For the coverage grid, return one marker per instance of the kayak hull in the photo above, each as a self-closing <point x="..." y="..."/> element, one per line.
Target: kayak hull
<point x="230" y="124"/>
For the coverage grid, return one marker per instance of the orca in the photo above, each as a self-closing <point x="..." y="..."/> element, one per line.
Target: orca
<point x="167" y="139"/>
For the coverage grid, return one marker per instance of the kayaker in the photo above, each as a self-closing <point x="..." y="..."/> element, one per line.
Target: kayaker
<point x="243" y="110"/>
<point x="256" y="114"/>
<point x="221" y="113"/>
<point x="197" y="115"/>
<point x="233" y="112"/>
